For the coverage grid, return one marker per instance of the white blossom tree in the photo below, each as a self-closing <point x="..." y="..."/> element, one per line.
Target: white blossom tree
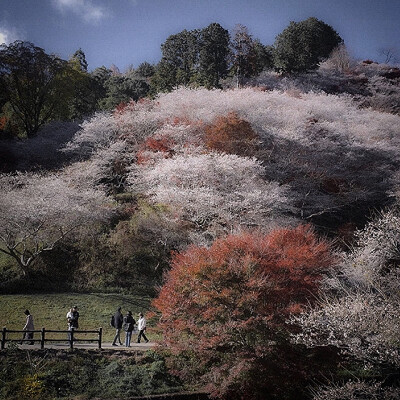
<point x="95" y="133"/>
<point x="214" y="192"/>
<point x="357" y="390"/>
<point x="337" y="160"/>
<point x="38" y="211"/>
<point x="359" y="312"/>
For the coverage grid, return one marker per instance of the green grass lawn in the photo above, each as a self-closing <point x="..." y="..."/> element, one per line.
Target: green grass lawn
<point x="50" y="310"/>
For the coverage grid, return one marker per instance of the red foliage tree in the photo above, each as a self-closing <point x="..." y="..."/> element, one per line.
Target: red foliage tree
<point x="3" y="122"/>
<point x="223" y="309"/>
<point x="120" y="108"/>
<point x="231" y="134"/>
<point x="155" y="144"/>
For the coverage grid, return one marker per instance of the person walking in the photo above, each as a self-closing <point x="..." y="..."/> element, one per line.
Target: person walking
<point x="118" y="319"/>
<point x="142" y="328"/>
<point x="72" y="319"/>
<point x="28" y="327"/>
<point x="128" y="326"/>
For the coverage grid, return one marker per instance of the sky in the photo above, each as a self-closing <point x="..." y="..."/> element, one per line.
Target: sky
<point x="128" y="32"/>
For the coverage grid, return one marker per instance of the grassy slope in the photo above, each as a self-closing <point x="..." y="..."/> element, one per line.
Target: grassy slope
<point x="49" y="310"/>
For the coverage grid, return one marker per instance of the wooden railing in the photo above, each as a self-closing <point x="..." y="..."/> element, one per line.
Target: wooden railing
<point x="70" y="334"/>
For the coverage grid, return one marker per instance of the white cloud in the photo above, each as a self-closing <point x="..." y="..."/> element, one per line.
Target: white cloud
<point x="3" y="38"/>
<point x="8" y="35"/>
<point x="83" y="8"/>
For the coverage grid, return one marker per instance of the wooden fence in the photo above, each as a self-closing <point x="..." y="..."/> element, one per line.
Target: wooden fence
<point x="71" y="337"/>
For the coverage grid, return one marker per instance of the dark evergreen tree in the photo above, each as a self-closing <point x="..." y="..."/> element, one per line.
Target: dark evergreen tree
<point x="85" y="100"/>
<point x="145" y="70"/>
<point x="80" y="58"/>
<point x="263" y="56"/>
<point x="164" y="78"/>
<point x="243" y="54"/>
<point x="213" y="56"/>
<point x="122" y="89"/>
<point x="100" y="77"/>
<point x="181" y="52"/>
<point x="303" y="45"/>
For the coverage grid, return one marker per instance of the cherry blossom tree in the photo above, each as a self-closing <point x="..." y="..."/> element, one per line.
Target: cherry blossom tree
<point x="38" y="211"/>
<point x="95" y="133"/>
<point x="214" y="192"/>
<point x="336" y="160"/>
<point x="357" y="389"/>
<point x="358" y="313"/>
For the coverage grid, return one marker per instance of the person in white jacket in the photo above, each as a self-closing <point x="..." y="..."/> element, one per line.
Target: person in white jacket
<point x="28" y="327"/>
<point x="142" y="328"/>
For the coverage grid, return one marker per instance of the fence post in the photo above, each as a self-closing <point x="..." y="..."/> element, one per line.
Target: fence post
<point x="71" y="338"/>
<point x="42" y="338"/>
<point x="100" y="336"/>
<point x="3" y="338"/>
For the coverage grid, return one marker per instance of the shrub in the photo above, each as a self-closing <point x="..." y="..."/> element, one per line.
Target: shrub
<point x="231" y="134"/>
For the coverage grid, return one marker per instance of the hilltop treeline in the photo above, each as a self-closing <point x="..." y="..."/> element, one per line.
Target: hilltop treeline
<point x="38" y="87"/>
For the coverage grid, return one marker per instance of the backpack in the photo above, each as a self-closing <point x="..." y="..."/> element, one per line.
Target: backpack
<point x="73" y="320"/>
<point x="112" y="321"/>
<point x="126" y="326"/>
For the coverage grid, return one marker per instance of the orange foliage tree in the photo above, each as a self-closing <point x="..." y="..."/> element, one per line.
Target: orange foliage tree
<point x="223" y="308"/>
<point x="231" y="134"/>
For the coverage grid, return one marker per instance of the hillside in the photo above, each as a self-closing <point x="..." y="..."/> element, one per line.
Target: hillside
<point x="195" y="164"/>
<point x="182" y="173"/>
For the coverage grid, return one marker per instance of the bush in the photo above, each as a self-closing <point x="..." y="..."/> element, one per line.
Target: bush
<point x="49" y="374"/>
<point x="231" y="134"/>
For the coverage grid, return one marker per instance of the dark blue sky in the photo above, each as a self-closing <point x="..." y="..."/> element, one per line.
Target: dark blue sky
<point x="124" y="32"/>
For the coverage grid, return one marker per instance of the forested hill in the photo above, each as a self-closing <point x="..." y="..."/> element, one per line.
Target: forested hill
<point x="194" y="165"/>
<point x="264" y="220"/>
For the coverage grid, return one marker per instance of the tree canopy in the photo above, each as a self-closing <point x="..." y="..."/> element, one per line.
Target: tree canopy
<point x="213" y="57"/>
<point x="37" y="85"/>
<point x="193" y="57"/>
<point x="37" y="212"/>
<point x="302" y="45"/>
<point x="223" y="308"/>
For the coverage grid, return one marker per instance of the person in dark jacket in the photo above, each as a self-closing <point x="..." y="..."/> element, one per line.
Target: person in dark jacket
<point x="118" y="319"/>
<point x="72" y="319"/>
<point x="128" y="326"/>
